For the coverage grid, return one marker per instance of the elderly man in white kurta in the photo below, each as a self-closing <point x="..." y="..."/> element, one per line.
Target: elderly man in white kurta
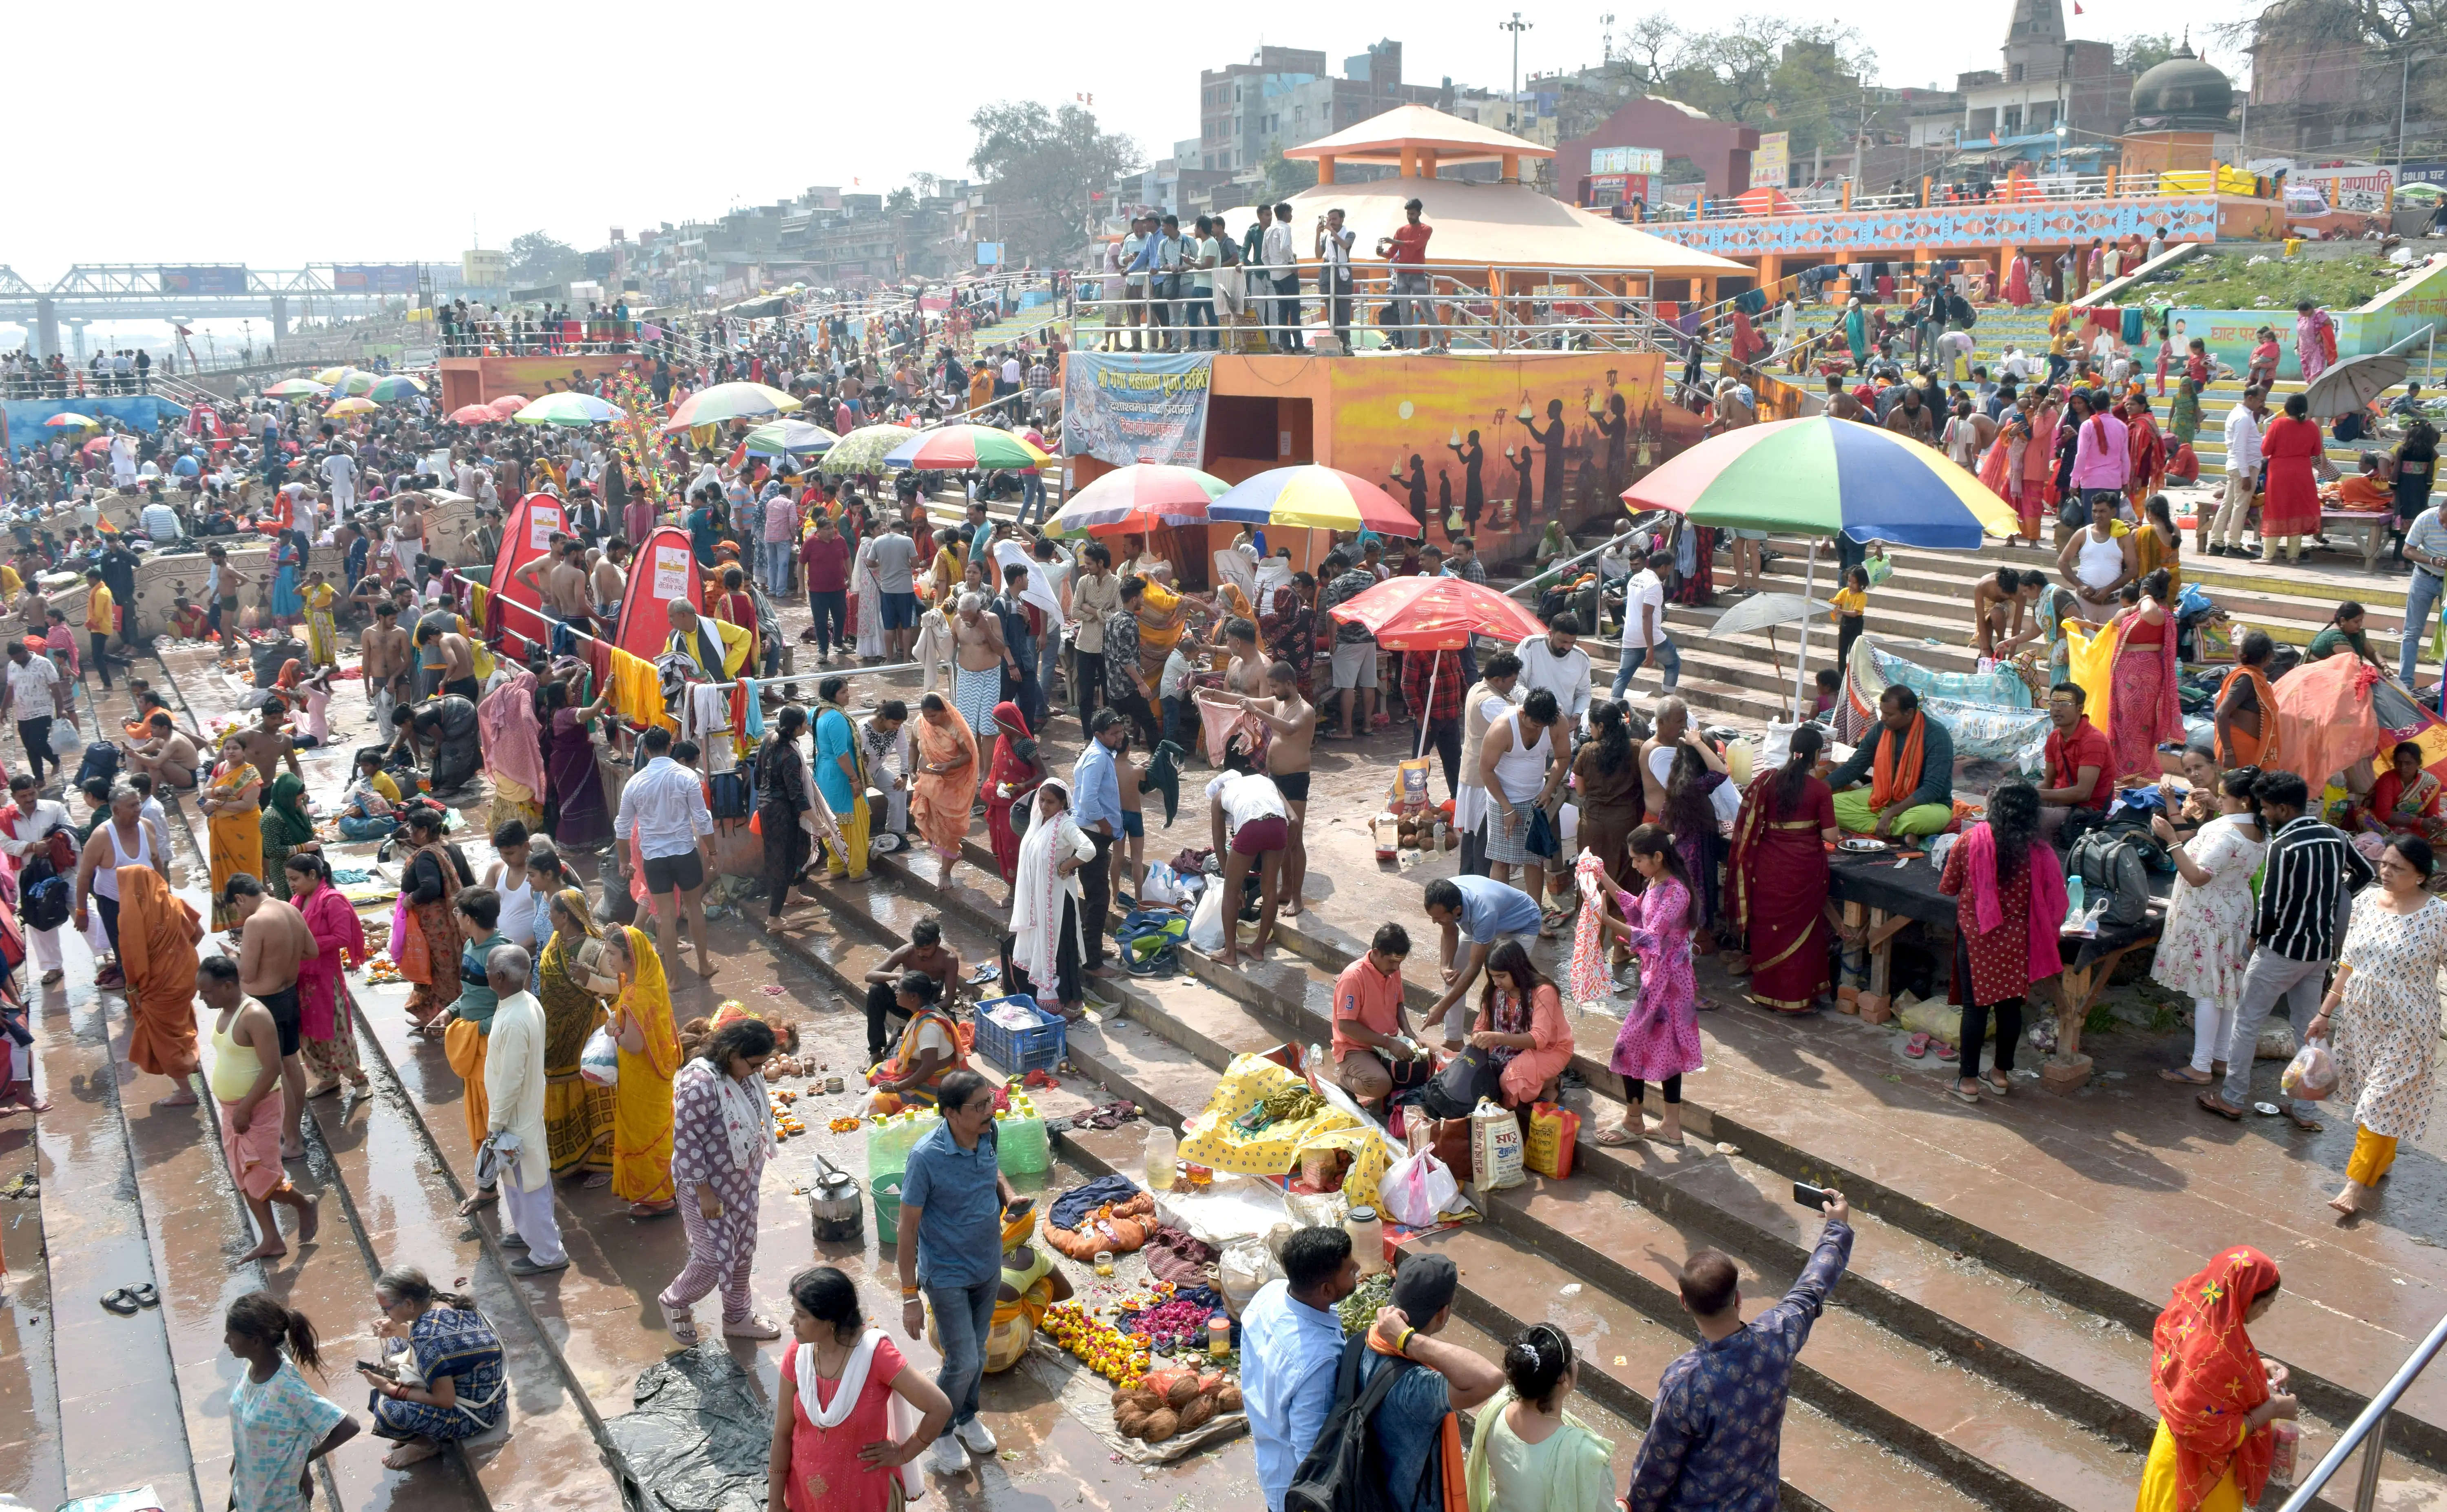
<point x="514" y="1089"/>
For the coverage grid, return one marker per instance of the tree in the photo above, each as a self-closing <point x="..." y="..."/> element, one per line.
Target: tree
<point x="2144" y="51"/>
<point x="1285" y="176"/>
<point x="1761" y="70"/>
<point x="901" y="199"/>
<point x="1045" y="166"/>
<point x="538" y="259"/>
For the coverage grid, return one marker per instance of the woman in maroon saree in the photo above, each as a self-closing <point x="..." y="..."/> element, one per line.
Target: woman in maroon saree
<point x="576" y="814"/>
<point x="1017" y="771"/>
<point x="1778" y="881"/>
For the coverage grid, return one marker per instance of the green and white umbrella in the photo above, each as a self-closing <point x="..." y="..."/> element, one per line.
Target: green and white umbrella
<point x="735" y="401"/>
<point x="793" y="438"/>
<point x="565" y="409"/>
<point x="863" y="450"/>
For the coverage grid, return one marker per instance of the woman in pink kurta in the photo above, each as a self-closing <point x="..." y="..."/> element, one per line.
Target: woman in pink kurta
<point x="842" y="1386"/>
<point x="1521" y="1024"/>
<point x="1659" y="1039"/>
<point x="326" y="1030"/>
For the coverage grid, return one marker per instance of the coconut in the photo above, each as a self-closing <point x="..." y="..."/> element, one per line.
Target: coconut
<point x="1184" y="1391"/>
<point x="1159" y="1424"/>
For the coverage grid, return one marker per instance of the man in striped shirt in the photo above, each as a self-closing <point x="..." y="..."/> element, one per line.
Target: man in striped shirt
<point x="2306" y="897"/>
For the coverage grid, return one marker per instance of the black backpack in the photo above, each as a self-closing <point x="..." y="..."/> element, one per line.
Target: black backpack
<point x="101" y="759"/>
<point x="1341" y="1473"/>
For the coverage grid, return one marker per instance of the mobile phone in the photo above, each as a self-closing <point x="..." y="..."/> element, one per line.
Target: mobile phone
<point x="1814" y="1197"/>
<point x="383" y="1371"/>
<point x="1017" y="1207"/>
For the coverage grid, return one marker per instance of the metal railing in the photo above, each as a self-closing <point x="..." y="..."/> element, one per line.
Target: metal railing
<point x="2040" y="189"/>
<point x="2368" y="1433"/>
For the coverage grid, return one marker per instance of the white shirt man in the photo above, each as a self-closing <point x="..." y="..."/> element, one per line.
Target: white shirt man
<point x="664" y="804"/>
<point x="1564" y="673"/>
<point x="514" y="1085"/>
<point x="340" y="471"/>
<point x="2242" y="476"/>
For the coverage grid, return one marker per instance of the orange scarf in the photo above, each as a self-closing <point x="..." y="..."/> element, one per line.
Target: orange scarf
<point x="2241" y="749"/>
<point x="1895" y="775"/>
<point x="2205" y="1376"/>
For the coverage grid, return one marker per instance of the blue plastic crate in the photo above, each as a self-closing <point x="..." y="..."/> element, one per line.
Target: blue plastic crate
<point x="1024" y="1049"/>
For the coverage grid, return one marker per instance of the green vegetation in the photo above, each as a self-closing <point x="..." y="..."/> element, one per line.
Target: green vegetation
<point x="2226" y="281"/>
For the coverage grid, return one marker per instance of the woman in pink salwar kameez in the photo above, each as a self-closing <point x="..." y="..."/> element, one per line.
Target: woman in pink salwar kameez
<point x="1659" y="1039"/>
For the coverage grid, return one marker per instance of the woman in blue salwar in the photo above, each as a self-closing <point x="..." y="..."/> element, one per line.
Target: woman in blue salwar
<point x="442" y="1379"/>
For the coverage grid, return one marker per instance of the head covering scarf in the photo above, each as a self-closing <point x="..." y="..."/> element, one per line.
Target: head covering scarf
<point x="284" y="812"/>
<point x="1012" y="726"/>
<point x="1036" y="896"/>
<point x="512" y="738"/>
<point x="2205" y="1376"/>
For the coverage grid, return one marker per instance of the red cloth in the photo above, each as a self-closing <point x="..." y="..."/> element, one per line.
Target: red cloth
<point x="2207" y="1377"/>
<point x="2066" y="758"/>
<point x="1410" y="243"/>
<point x="1009" y="770"/>
<point x="2292" y="507"/>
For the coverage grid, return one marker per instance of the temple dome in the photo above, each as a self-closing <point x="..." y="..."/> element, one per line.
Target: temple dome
<point x="2184" y="93"/>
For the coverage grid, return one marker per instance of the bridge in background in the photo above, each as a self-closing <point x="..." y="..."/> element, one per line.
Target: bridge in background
<point x="185" y="293"/>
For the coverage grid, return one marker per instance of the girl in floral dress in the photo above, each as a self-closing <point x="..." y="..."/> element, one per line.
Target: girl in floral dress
<point x="278" y="1426"/>
<point x="1659" y="1039"/>
<point x="2208" y="939"/>
<point x="2381" y="1016"/>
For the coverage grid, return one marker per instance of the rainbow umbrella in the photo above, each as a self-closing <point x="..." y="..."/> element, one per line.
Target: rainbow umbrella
<point x="70" y="421"/>
<point x="790" y="438"/>
<point x="395" y="388"/>
<point x="964" y="448"/>
<point x="298" y="388"/>
<point x="1823" y="477"/>
<point x="735" y="401"/>
<point x="350" y="381"/>
<point x="565" y="409"/>
<point x="1137" y="499"/>
<point x="1313" y="498"/>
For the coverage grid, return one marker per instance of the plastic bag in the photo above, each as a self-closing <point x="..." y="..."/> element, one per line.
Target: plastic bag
<point x="65" y="739"/>
<point x="1244" y="1266"/>
<point x="1206" y="925"/>
<point x="599" y="1064"/>
<point x="1415" y="1189"/>
<point x="1494" y="1148"/>
<point x="1160" y="885"/>
<point x="2311" y="1075"/>
<point x="1553" y="1132"/>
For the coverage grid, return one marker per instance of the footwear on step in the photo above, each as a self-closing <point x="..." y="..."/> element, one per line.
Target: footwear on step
<point x="514" y="1242"/>
<point x="750" y="1327"/>
<point x="975" y="1436"/>
<point x="682" y="1324"/>
<point x="525" y="1265"/>
<point x="947" y="1458"/>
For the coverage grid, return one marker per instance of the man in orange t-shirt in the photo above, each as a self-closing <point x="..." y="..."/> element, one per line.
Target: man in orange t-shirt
<point x="1414" y="308"/>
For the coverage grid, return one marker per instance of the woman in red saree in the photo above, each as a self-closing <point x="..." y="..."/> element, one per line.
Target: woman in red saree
<point x="1779" y="891"/>
<point x="2143" y="709"/>
<point x="2215" y="1396"/>
<point x="1016" y="770"/>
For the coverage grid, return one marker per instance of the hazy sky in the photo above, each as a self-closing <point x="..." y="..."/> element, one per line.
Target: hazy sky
<point x="340" y="134"/>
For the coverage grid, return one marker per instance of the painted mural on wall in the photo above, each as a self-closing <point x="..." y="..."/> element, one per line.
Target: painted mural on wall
<point x="1498" y="446"/>
<point x="2404" y="310"/>
<point x="2025" y="224"/>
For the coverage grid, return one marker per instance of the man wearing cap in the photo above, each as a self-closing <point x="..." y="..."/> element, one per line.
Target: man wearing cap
<point x="1406" y="1436"/>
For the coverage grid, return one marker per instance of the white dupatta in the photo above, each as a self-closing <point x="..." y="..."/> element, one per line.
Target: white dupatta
<point x="901" y="1419"/>
<point x="1038" y="889"/>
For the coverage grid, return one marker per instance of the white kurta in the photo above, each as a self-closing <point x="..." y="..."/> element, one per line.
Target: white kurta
<point x="514" y="1085"/>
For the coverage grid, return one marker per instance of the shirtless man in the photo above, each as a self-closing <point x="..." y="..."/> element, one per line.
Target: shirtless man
<point x="1294" y="721"/>
<point x="32" y="608"/>
<point x="165" y="753"/>
<point x="924" y="953"/>
<point x="1247" y="674"/>
<point x="272" y="942"/>
<point x="221" y="584"/>
<point x="448" y="653"/>
<point x="608" y="583"/>
<point x="979" y="651"/>
<point x="408" y="530"/>
<point x="267" y="746"/>
<point x="559" y="580"/>
<point x="250" y="1026"/>
<point x="1673" y="724"/>
<point x="386" y="659"/>
<point x="2000" y="604"/>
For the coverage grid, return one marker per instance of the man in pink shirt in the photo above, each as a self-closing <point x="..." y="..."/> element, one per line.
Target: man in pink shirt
<point x="780" y="539"/>
<point x="2103" y="458"/>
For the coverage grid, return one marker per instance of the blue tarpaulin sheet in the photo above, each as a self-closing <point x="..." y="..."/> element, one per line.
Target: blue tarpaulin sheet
<point x="136" y="412"/>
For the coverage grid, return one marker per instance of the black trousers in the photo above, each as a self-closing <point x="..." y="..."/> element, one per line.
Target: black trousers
<point x="1445" y="735"/>
<point x="36" y="734"/>
<point x="1976" y="1016"/>
<point x="880" y="1000"/>
<point x="1066" y="985"/>
<point x="1142" y="715"/>
<point x="1088" y="681"/>
<point x="101" y="639"/>
<point x="1096" y="881"/>
<point x="786" y="847"/>
<point x="1636" y="1094"/>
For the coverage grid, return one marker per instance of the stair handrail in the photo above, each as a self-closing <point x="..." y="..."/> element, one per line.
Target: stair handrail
<point x="2368" y="1432"/>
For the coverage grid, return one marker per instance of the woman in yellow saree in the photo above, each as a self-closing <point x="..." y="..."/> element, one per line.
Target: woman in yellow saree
<point x="322" y="630"/>
<point x="577" y="1115"/>
<point x="650" y="1057"/>
<point x="232" y="801"/>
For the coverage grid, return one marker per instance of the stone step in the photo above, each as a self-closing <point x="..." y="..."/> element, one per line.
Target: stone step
<point x="30" y="1465"/>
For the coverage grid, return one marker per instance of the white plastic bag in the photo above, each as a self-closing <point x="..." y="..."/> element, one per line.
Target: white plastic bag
<point x="1206" y="925"/>
<point x="2311" y="1075"/>
<point x="599" y="1064"/>
<point x="1160" y="885"/>
<point x="1415" y="1189"/>
<point x="1774" y="747"/>
<point x="1494" y="1147"/>
<point x="1244" y="1266"/>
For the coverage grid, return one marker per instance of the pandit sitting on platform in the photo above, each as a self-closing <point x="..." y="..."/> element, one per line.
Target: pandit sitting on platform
<point x="1908" y="759"/>
<point x="2369" y="489"/>
<point x="717" y="647"/>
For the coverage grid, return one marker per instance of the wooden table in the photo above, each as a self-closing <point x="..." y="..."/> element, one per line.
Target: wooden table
<point x="2374" y="526"/>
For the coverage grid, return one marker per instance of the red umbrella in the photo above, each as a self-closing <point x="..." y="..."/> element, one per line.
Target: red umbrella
<point x="1436" y="614"/>
<point x="507" y="404"/>
<point x="473" y="415"/>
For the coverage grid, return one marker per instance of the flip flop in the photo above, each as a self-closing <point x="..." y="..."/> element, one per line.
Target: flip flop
<point x="1969" y="1099"/>
<point x="1614" y="1139"/>
<point x="120" y="1300"/>
<point x="1917" y="1046"/>
<point x="144" y="1295"/>
<point x="2181" y="1080"/>
<point x="2205" y="1105"/>
<point x="1947" y="1053"/>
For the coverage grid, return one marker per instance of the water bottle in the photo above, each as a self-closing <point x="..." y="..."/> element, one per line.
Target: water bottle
<point x="2074" y="901"/>
<point x="1163" y="1150"/>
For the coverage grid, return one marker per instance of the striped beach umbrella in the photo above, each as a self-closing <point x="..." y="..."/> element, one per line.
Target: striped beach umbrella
<point x="965" y="449"/>
<point x="1313" y="498"/>
<point x="1139" y="498"/>
<point x="1826" y="477"/>
<point x="734" y="401"/>
<point x="565" y="409"/>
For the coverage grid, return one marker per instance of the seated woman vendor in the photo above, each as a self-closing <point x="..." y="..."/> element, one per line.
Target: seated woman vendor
<point x="2404" y="801"/>
<point x="1909" y="763"/>
<point x="931" y="1048"/>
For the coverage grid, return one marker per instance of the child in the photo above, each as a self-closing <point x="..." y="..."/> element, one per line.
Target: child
<point x="2263" y="371"/>
<point x="2196" y="364"/>
<point x="1830" y="683"/>
<point x="60" y="642"/>
<point x="1851" y="605"/>
<point x="367" y="810"/>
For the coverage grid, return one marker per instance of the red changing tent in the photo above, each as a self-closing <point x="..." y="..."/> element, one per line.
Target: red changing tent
<point x="527" y="535"/>
<point x="665" y="570"/>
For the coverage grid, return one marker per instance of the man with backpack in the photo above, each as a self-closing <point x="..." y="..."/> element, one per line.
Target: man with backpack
<point x="27" y="828"/>
<point x="1291" y="1342"/>
<point x="1397" y="1400"/>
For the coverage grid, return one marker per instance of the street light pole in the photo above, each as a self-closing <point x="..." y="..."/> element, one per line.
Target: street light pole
<point x="1516" y="26"/>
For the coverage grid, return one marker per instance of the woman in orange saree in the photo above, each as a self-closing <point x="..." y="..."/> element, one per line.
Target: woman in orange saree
<point x="1779" y="880"/>
<point x="947" y="776"/>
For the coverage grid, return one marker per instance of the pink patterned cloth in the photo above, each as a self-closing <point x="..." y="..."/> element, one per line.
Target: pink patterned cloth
<point x="1588" y="979"/>
<point x="1661" y="1036"/>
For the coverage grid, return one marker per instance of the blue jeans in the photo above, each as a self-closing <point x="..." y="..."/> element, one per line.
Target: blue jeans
<point x="1048" y="661"/>
<point x="365" y="828"/>
<point x="963" y="1316"/>
<point x="2421" y="599"/>
<point x="777" y="566"/>
<point x="829" y="612"/>
<point x="1031" y="494"/>
<point x="1669" y="663"/>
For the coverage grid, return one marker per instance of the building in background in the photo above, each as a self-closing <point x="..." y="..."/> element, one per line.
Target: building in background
<point x="2009" y="114"/>
<point x="1284" y="97"/>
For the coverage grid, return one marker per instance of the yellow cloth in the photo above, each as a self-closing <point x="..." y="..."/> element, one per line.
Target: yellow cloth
<point x="9" y="582"/>
<point x="853" y="826"/>
<point x="236" y="834"/>
<point x="1848" y="602"/>
<point x="641" y="1123"/>
<point x="322" y="631"/>
<point x="2090" y="661"/>
<point x="383" y="785"/>
<point x="2159" y="1482"/>
<point x="736" y="643"/>
<point x="100" y="617"/>
<point x="1211" y="1141"/>
<point x="463" y="1045"/>
<point x="2373" y="1155"/>
<point x="636" y="692"/>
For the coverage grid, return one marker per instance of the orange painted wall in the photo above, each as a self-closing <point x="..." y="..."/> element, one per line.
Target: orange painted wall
<point x="482" y="380"/>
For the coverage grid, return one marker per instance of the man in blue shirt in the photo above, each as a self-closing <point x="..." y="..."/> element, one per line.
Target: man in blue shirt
<point x="1096" y="804"/>
<point x="1406" y="1432"/>
<point x="1291" y="1343"/>
<point x="1487" y="910"/>
<point x="701" y="525"/>
<point x="952" y="1197"/>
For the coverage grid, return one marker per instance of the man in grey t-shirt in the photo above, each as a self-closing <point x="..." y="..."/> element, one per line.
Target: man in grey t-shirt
<point x="892" y="555"/>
